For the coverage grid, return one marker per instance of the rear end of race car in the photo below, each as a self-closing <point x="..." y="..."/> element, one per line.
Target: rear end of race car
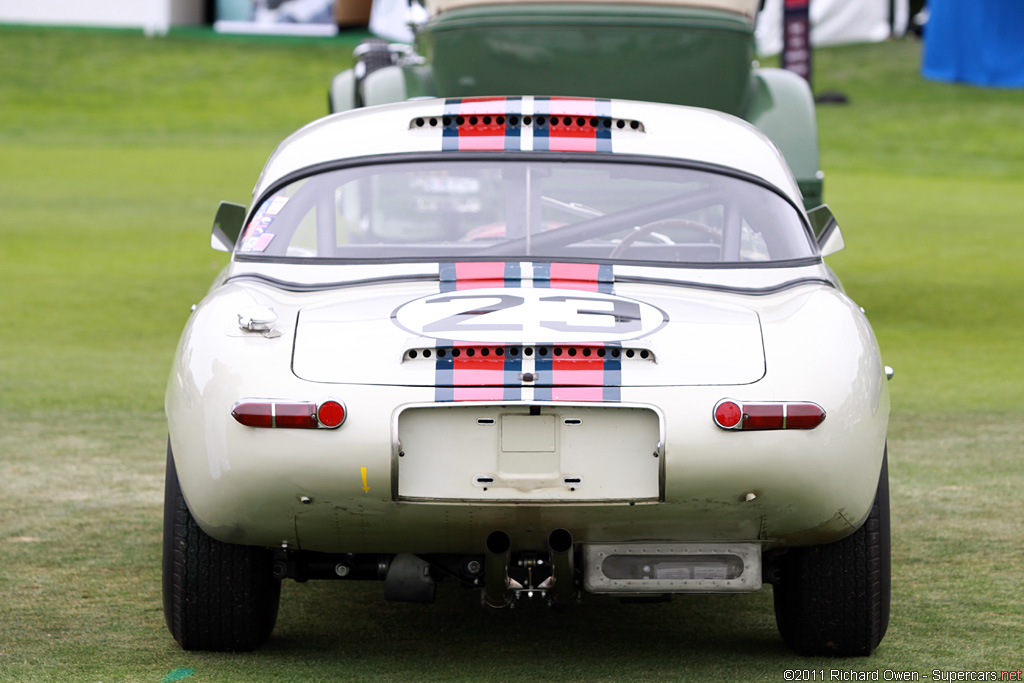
<point x="707" y="456"/>
<point x="544" y="348"/>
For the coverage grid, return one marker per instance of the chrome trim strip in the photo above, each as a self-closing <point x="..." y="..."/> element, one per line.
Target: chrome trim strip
<point x="322" y="286"/>
<point x="623" y="279"/>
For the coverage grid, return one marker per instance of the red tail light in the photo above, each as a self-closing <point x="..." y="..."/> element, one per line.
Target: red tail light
<point x="295" y="416"/>
<point x="253" y="414"/>
<point x="763" y="416"/>
<point x="289" y="415"/>
<point x="734" y="415"/>
<point x="728" y="414"/>
<point x="331" y="414"/>
<point x="804" y="415"/>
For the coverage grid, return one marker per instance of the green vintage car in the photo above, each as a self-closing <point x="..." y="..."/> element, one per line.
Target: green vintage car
<point x="691" y="52"/>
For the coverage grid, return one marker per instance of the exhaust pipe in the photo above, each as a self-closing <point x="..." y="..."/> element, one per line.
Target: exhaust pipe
<point x="562" y="584"/>
<point x="497" y="583"/>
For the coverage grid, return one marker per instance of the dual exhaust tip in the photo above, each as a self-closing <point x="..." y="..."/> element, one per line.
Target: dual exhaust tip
<point x="500" y="588"/>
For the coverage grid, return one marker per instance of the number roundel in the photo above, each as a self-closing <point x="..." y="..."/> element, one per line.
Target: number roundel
<point x="528" y="315"/>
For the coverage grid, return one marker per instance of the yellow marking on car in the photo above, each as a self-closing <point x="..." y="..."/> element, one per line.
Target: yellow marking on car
<point x="362" y="471"/>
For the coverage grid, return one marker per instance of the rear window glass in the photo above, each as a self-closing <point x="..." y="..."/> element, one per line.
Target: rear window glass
<point x="465" y="209"/>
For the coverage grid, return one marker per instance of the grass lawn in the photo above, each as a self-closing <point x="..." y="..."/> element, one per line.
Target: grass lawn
<point x="114" y="151"/>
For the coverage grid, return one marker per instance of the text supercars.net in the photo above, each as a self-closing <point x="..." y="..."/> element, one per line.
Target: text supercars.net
<point x="897" y="675"/>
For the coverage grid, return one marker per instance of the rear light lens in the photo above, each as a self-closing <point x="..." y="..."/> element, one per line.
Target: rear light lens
<point x="738" y="416"/>
<point x="728" y="414"/>
<point x="331" y="414"/>
<point x="253" y="414"/>
<point x="763" y="416"/>
<point x="804" y="415"/>
<point x="295" y="416"/>
<point x="289" y="415"/>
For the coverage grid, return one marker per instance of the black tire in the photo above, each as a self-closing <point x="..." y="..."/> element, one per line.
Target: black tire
<point x="217" y="596"/>
<point x="833" y="599"/>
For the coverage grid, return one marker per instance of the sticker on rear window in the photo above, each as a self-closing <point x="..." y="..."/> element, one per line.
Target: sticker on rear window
<point x="275" y="205"/>
<point x="257" y="243"/>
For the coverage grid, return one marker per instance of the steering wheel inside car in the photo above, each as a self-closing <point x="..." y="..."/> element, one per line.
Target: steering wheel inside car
<point x="663" y="224"/>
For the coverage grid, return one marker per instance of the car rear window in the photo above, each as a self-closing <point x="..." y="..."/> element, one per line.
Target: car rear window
<point x="440" y="209"/>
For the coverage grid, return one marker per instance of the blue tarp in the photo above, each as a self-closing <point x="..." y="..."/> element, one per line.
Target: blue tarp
<point x="975" y="41"/>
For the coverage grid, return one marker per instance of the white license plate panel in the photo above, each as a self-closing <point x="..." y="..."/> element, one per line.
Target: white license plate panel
<point x="520" y="453"/>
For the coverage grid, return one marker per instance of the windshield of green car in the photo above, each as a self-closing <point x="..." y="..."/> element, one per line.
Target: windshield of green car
<point x="438" y="209"/>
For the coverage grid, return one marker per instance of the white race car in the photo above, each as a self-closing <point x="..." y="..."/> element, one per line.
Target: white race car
<point x="544" y="347"/>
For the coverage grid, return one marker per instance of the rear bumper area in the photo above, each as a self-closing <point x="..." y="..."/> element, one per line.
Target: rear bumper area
<point x="664" y="474"/>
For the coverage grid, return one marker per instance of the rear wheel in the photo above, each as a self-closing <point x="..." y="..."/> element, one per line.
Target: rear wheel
<point x="217" y="596"/>
<point x="833" y="599"/>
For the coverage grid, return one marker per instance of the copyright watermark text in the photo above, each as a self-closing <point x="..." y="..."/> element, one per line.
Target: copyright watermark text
<point x="816" y="675"/>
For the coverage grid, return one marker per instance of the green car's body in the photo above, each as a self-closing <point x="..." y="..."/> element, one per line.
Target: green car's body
<point x="679" y="55"/>
<point x="697" y="53"/>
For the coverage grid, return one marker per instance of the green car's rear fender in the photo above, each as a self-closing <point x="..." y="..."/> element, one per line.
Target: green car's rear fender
<point x="782" y="107"/>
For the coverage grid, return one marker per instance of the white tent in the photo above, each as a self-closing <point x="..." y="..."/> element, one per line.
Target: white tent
<point x="836" y="22"/>
<point x="833" y="22"/>
<point x="154" y="16"/>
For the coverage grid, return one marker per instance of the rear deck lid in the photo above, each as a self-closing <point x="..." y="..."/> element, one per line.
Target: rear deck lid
<point x="515" y="336"/>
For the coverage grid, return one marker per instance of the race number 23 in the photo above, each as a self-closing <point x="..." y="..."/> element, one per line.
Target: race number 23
<point x="561" y="313"/>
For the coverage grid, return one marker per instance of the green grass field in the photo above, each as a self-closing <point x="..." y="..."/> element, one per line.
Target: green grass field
<point x="114" y="151"/>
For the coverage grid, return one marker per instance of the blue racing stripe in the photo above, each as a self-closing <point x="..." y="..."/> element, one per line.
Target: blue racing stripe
<point x="444" y="373"/>
<point x="612" y="374"/>
<point x="603" y="109"/>
<point x="450" y="129"/>
<point x="544" y="370"/>
<point x="541" y="119"/>
<point x="448" y="275"/>
<point x="513" y="123"/>
<point x="605" y="279"/>
<point x="513" y="274"/>
<point x="513" y="385"/>
<point x="542" y="275"/>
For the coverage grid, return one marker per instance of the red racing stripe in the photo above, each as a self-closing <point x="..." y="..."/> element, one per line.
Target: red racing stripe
<point x="577" y="124"/>
<point x="480" y="123"/>
<point x="474" y="275"/>
<point x="476" y="377"/>
<point x="578" y="377"/>
<point x="579" y="276"/>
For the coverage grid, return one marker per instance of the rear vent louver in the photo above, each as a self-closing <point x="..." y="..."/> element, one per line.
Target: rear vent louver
<point x="494" y="353"/>
<point x="499" y="122"/>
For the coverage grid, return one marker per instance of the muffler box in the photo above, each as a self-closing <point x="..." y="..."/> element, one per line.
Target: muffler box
<point x="672" y="568"/>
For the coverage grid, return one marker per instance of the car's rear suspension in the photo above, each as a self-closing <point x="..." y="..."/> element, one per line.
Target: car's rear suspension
<point x="505" y="578"/>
